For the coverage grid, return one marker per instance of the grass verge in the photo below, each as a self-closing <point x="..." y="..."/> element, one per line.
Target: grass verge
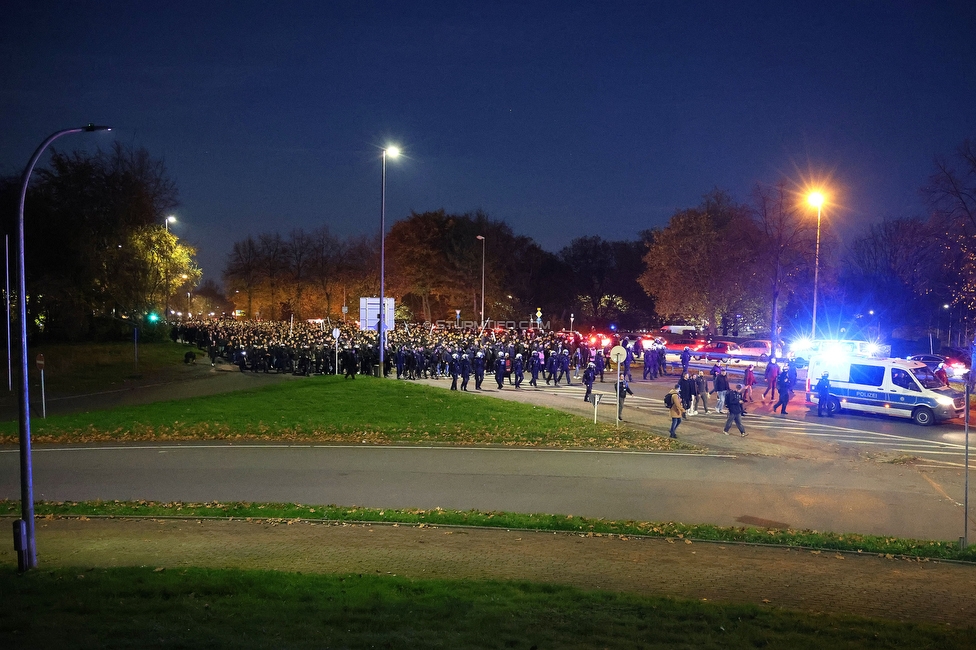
<point x="816" y="540"/>
<point x="331" y="409"/>
<point x="205" y="608"/>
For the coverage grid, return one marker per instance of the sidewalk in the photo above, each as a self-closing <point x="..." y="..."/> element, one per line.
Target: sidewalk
<point x="828" y="582"/>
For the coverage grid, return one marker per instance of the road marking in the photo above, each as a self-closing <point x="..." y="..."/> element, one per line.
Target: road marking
<point x="938" y="488"/>
<point x="178" y="447"/>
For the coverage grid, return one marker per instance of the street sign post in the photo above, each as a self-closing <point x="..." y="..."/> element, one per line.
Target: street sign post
<point x="335" y="335"/>
<point x="40" y="366"/>
<point x="617" y="355"/>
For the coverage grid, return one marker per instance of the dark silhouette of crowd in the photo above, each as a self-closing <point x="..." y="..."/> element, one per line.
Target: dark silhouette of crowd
<point x="413" y="351"/>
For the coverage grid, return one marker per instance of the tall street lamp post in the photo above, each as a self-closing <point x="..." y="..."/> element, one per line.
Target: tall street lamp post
<point x="27" y="555"/>
<point x="481" y="237"/>
<point x="816" y="199"/>
<point x="168" y="220"/>
<point x="392" y="152"/>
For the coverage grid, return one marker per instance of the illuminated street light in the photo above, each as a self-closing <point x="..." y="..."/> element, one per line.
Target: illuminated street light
<point x="816" y="199"/>
<point x="168" y="220"/>
<point x="27" y="556"/>
<point x="391" y="152"/>
<point x="481" y="237"/>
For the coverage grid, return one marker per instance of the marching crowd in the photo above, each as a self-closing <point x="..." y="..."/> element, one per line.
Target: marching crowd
<point x="420" y="351"/>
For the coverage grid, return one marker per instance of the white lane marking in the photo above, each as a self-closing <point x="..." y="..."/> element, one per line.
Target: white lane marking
<point x="380" y="447"/>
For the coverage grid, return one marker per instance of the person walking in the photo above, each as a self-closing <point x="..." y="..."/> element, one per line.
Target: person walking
<point x="823" y="396"/>
<point x="673" y="401"/>
<point x="720" y="389"/>
<point x="685" y="359"/>
<point x="589" y="376"/>
<point x="733" y="400"/>
<point x="684" y="390"/>
<point x="771" y="375"/>
<point x="623" y="389"/>
<point x="783" y="386"/>
<point x="702" y="395"/>
<point x="748" y="381"/>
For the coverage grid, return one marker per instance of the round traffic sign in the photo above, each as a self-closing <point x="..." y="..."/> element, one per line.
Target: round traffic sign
<point x="335" y="333"/>
<point x="618" y="353"/>
<point x="40" y="362"/>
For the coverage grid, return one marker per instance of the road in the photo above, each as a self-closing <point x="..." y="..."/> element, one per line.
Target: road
<point x="720" y="488"/>
<point x="797" y="470"/>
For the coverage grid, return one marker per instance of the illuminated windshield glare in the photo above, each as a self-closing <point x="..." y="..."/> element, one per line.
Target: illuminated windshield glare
<point x="926" y="377"/>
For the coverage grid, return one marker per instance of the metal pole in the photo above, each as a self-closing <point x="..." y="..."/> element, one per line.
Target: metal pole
<point x="382" y="341"/>
<point x="617" y="390"/>
<point x="135" y="343"/>
<point x="26" y="468"/>
<point x="482" y="238"/>
<point x="6" y="257"/>
<point x="965" y="498"/>
<point x="43" y="397"/>
<point x="816" y="274"/>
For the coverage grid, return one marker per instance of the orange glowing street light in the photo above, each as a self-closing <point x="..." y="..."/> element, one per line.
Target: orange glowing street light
<point x="816" y="199"/>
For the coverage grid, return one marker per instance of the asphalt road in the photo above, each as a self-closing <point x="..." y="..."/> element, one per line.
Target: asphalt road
<point x="796" y="470"/>
<point x="725" y="489"/>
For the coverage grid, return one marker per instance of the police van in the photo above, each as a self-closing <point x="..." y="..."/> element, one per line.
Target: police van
<point x="898" y="387"/>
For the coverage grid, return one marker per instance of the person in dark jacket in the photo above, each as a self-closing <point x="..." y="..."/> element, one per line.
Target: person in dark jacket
<point x="823" y="396"/>
<point x="783" y="387"/>
<point x="733" y="401"/>
<point x="720" y="389"/>
<point x="684" y="389"/>
<point x="623" y="390"/>
<point x="589" y="376"/>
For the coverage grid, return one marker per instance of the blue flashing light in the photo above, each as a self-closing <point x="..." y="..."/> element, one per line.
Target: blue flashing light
<point x="613" y="328"/>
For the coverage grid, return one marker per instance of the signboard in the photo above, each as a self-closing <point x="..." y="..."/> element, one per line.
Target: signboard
<point x="369" y="313"/>
<point x="40" y="362"/>
<point x="618" y="354"/>
<point x="335" y="333"/>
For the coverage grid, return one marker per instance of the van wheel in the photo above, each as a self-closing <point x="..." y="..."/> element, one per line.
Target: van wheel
<point x="833" y="406"/>
<point x="923" y="416"/>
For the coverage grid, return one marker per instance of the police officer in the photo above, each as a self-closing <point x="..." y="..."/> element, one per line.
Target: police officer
<point x="589" y="376"/>
<point x="465" y="371"/>
<point x="823" y="396"/>
<point x="500" y="371"/>
<point x="479" y="369"/>
<point x="453" y="368"/>
<point x="518" y="370"/>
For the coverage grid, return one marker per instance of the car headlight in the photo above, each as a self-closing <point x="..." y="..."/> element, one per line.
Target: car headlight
<point x="944" y="400"/>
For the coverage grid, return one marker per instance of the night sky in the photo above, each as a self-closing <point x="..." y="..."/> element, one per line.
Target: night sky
<point x="562" y="119"/>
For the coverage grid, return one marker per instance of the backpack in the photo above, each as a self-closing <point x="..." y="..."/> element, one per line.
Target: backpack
<point x="669" y="400"/>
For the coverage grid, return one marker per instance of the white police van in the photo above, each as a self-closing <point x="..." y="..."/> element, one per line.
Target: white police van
<point x="897" y="387"/>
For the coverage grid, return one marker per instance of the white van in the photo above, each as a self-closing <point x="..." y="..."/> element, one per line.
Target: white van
<point x="690" y="330"/>
<point x="897" y="387"/>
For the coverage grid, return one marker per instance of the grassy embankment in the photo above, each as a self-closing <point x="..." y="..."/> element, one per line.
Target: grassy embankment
<point x="205" y="608"/>
<point x="331" y="409"/>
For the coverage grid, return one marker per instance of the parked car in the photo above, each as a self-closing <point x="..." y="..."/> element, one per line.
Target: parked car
<point x="718" y="350"/>
<point x="758" y="349"/>
<point x="954" y="367"/>
<point x="678" y="345"/>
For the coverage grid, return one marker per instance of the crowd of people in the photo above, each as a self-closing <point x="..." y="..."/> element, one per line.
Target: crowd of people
<point x="416" y="351"/>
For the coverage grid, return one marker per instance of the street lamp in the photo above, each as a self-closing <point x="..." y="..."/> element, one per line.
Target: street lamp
<point x="481" y="237"/>
<point x="27" y="556"/>
<point x="168" y="220"/>
<point x="816" y="199"/>
<point x="392" y="152"/>
<point x="572" y="317"/>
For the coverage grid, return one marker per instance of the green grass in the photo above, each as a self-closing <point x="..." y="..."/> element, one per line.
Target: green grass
<point x="332" y="409"/>
<point x="203" y="608"/>
<point x="72" y="369"/>
<point x="816" y="540"/>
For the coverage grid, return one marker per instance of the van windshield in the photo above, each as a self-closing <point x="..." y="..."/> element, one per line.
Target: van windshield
<point x="927" y="378"/>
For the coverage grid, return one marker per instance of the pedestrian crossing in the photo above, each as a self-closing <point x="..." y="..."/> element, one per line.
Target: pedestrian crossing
<point x="929" y="453"/>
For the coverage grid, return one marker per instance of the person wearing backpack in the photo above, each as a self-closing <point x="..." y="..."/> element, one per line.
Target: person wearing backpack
<point x="733" y="402"/>
<point x="673" y="401"/>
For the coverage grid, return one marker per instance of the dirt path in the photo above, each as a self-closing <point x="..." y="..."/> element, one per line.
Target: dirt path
<point x="899" y="589"/>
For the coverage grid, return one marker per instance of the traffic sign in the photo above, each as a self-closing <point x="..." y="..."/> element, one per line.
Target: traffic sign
<point x="618" y="353"/>
<point x="335" y="333"/>
<point x="40" y="362"/>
